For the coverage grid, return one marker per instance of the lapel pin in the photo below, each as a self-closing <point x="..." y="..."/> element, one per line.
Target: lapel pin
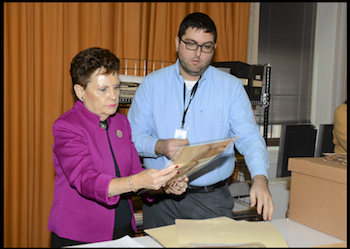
<point x="119" y="133"/>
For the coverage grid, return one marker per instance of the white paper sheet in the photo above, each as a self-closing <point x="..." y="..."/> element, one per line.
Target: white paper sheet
<point x="123" y="242"/>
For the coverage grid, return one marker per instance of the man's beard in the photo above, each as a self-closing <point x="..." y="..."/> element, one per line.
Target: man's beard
<point x="186" y="67"/>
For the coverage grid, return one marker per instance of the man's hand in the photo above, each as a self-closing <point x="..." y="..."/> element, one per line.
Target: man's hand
<point x="260" y="192"/>
<point x="168" y="147"/>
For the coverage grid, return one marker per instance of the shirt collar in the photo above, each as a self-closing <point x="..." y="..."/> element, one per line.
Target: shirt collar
<point x="93" y="118"/>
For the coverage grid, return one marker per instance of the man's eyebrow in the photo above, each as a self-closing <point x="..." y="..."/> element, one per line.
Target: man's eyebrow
<point x="189" y="39"/>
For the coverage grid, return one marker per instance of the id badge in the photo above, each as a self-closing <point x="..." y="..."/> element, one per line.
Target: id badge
<point x="180" y="133"/>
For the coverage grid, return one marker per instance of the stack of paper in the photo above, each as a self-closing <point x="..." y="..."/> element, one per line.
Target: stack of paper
<point x="217" y="231"/>
<point x="127" y="90"/>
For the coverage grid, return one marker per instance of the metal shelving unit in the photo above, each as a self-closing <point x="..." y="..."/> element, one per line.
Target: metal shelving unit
<point x="139" y="68"/>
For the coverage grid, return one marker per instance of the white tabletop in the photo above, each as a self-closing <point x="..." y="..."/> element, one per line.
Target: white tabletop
<point x="298" y="235"/>
<point x="148" y="241"/>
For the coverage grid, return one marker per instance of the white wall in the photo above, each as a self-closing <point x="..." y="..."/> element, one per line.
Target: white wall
<point x="273" y="157"/>
<point x="329" y="74"/>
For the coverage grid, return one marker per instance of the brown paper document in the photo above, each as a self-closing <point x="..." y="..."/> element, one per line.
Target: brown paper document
<point x="217" y="231"/>
<point x="165" y="235"/>
<point x="190" y="158"/>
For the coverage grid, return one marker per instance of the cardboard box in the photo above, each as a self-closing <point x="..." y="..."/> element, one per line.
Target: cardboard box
<point x="318" y="196"/>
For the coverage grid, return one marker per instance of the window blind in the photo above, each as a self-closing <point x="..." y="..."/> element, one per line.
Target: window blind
<point x="286" y="41"/>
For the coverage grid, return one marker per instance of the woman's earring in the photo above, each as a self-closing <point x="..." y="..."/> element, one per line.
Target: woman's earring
<point x="82" y="99"/>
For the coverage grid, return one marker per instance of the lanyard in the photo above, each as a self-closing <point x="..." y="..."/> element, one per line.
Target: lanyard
<point x="193" y="92"/>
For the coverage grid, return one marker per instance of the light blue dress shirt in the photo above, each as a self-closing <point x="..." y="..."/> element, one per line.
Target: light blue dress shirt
<point x="220" y="109"/>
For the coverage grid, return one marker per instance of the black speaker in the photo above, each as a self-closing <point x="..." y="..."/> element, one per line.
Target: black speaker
<point x="295" y="141"/>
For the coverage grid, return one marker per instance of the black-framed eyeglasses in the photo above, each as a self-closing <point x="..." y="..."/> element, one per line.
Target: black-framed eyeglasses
<point x="193" y="46"/>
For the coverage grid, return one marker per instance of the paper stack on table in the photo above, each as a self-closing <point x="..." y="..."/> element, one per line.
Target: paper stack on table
<point x="221" y="231"/>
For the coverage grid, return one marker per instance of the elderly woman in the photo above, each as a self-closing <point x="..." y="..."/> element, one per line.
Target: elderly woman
<point x="96" y="164"/>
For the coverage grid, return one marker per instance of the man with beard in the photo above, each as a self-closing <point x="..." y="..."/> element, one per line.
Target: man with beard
<point x="192" y="102"/>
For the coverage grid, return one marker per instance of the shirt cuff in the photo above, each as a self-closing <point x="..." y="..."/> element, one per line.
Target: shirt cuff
<point x="150" y="146"/>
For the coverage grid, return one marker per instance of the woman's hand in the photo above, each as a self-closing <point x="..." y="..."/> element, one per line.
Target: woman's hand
<point x="153" y="178"/>
<point x="177" y="187"/>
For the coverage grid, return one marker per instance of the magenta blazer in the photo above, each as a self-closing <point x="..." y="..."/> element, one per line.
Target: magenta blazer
<point x="84" y="166"/>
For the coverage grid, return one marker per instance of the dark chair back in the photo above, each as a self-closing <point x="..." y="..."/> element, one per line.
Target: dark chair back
<point x="325" y="140"/>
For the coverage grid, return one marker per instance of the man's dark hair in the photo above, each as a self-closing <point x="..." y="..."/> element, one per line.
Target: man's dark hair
<point x="86" y="62"/>
<point x="200" y="21"/>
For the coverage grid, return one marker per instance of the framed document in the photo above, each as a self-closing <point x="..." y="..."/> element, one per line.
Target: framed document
<point x="190" y="158"/>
